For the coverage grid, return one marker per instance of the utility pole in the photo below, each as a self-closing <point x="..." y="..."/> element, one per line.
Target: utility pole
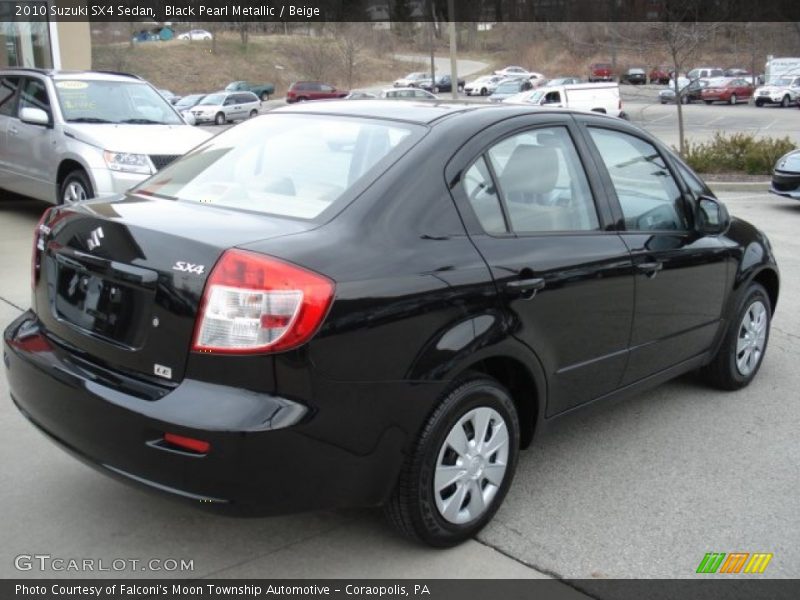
<point x="453" y="50"/>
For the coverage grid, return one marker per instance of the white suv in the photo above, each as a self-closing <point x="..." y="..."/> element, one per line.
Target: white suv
<point x="67" y="136"/>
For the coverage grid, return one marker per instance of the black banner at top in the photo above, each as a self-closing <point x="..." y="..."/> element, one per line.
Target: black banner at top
<point x="400" y="10"/>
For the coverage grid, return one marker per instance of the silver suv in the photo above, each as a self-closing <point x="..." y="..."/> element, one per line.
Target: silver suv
<point x="224" y="107"/>
<point x="70" y="135"/>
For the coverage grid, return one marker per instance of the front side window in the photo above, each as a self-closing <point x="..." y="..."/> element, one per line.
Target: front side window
<point x="648" y="194"/>
<point x="542" y="182"/>
<point x="264" y="166"/>
<point x="34" y="95"/>
<point x="98" y="101"/>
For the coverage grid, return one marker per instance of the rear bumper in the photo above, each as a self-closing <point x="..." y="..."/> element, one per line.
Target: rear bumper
<point x="267" y="453"/>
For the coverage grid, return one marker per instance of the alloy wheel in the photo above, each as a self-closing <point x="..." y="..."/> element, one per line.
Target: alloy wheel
<point x="73" y="192"/>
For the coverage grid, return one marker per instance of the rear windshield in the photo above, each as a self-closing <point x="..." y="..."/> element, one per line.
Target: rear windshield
<point x="285" y="164"/>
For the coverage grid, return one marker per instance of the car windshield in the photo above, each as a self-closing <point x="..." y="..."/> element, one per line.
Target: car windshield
<point x="212" y="100"/>
<point x="234" y="85"/>
<point x="536" y="96"/>
<point x="509" y="86"/>
<point x="782" y="81"/>
<point x="264" y="165"/>
<point x="415" y="76"/>
<point x="97" y="101"/>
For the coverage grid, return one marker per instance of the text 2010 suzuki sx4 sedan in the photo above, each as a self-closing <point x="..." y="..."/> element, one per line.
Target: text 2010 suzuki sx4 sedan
<point x="377" y="302"/>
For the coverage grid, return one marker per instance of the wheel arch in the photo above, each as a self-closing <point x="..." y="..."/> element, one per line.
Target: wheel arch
<point x="67" y="166"/>
<point x="768" y="278"/>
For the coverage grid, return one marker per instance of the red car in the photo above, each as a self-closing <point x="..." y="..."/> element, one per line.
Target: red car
<point x="660" y="75"/>
<point x="727" y="90"/>
<point x="600" y="72"/>
<point x="313" y="90"/>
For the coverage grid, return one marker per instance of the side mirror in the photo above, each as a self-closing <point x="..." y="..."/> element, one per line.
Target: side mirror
<point x="711" y="216"/>
<point x="188" y="118"/>
<point x="34" y="116"/>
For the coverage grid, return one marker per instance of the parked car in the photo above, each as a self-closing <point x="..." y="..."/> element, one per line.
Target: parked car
<point x="634" y="76"/>
<point x="786" y="176"/>
<point x="443" y="84"/>
<point x="513" y="71"/>
<point x="784" y="90"/>
<point x="188" y="101"/>
<point x="306" y="323"/>
<point x="482" y="86"/>
<point x="600" y="72"/>
<point x="408" y="93"/>
<point x="303" y="91"/>
<point x="262" y="90"/>
<point x="690" y="91"/>
<point x="563" y="81"/>
<point x="412" y="79"/>
<point x="727" y="90"/>
<point x="71" y="135"/>
<point x="735" y="72"/>
<point x="360" y="95"/>
<point x="595" y="97"/>
<point x="509" y="87"/>
<point x="660" y="75"/>
<point x="705" y="73"/>
<point x="225" y="107"/>
<point x="169" y="96"/>
<point x="537" y="79"/>
<point x="196" y="34"/>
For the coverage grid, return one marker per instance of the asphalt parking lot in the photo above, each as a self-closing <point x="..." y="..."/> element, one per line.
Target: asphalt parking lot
<point x="642" y="488"/>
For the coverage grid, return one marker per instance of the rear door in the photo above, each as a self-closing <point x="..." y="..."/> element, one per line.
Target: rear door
<point x="681" y="276"/>
<point x="534" y="211"/>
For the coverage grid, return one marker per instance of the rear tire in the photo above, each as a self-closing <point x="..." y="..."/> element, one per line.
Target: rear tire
<point x="742" y="351"/>
<point x="264" y="96"/>
<point x="732" y="100"/>
<point x="457" y="475"/>
<point x="76" y="187"/>
<point x="708" y="102"/>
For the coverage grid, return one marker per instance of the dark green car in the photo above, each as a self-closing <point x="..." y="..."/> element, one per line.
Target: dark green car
<point x="263" y="91"/>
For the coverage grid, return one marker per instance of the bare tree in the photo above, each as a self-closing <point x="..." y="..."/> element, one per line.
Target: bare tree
<point x="312" y="58"/>
<point x="350" y="40"/>
<point x="682" y="41"/>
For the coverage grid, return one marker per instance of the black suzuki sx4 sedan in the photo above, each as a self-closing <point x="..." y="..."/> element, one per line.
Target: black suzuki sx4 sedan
<point x="379" y="303"/>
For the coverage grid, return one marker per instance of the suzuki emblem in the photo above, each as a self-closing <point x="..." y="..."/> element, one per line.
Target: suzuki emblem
<point x="94" y="238"/>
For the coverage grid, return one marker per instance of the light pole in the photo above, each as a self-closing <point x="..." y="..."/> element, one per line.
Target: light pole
<point x="453" y="64"/>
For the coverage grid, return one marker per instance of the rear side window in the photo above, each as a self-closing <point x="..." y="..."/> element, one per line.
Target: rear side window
<point x="648" y="194"/>
<point x="542" y="182"/>
<point x="482" y="195"/>
<point x="8" y="95"/>
<point x="264" y="166"/>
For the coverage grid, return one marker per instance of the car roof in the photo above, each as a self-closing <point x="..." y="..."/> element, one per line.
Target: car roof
<point x="67" y="74"/>
<point x="423" y="113"/>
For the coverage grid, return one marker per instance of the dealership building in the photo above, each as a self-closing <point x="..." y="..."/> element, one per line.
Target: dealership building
<point x="43" y="43"/>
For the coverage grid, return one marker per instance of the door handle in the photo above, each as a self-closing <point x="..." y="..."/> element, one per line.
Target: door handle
<point x="526" y="287"/>
<point x="650" y="268"/>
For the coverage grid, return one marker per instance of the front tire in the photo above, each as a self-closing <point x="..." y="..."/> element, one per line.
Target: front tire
<point x="219" y="119"/>
<point x="759" y="103"/>
<point x="742" y="351"/>
<point x="76" y="187"/>
<point x="732" y="100"/>
<point x="253" y="113"/>
<point x="484" y="91"/>
<point x="457" y="475"/>
<point x="785" y="102"/>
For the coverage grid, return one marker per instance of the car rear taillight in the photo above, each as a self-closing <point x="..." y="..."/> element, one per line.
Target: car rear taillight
<point x="38" y="247"/>
<point x="256" y="303"/>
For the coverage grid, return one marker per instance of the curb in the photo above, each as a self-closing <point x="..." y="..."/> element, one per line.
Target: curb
<point x="739" y="186"/>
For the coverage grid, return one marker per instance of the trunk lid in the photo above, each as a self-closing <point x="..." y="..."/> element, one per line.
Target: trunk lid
<point x="121" y="281"/>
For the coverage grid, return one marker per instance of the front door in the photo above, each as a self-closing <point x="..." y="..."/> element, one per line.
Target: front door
<point x="565" y="283"/>
<point x="681" y="276"/>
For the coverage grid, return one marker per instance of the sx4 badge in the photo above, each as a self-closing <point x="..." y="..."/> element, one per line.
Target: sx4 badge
<point x="185" y="267"/>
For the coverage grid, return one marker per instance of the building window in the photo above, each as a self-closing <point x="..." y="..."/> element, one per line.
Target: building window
<point x="24" y="44"/>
